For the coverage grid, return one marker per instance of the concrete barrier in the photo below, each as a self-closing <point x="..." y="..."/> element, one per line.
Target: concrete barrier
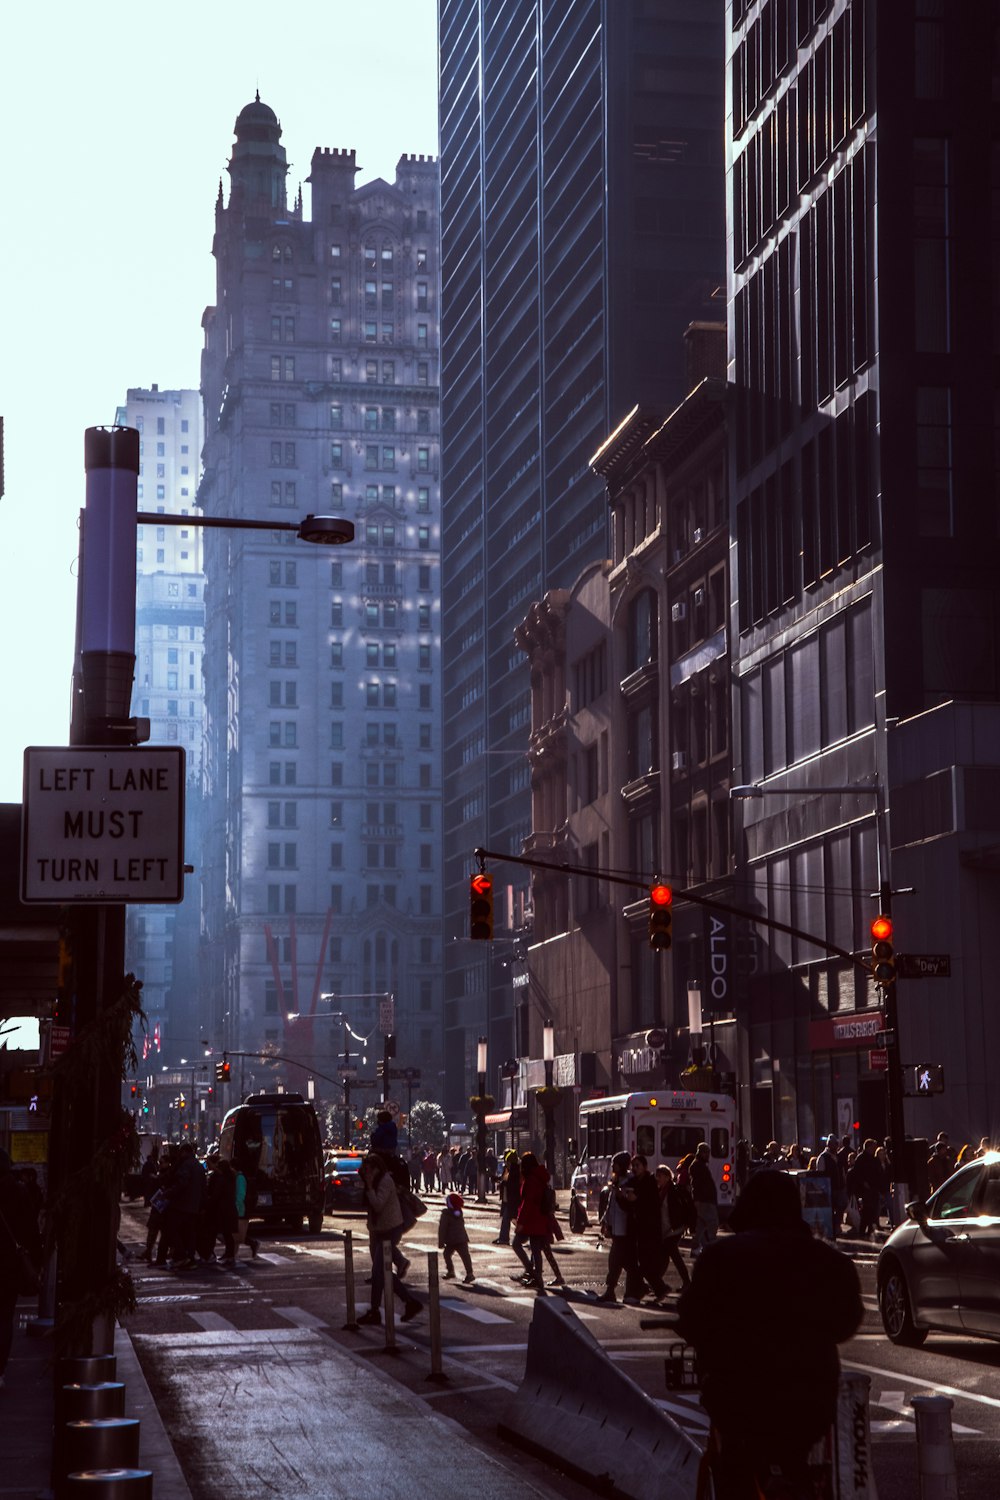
<point x="575" y="1405"/>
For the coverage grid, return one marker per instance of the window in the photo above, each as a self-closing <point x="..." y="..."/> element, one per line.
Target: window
<point x="421" y="259"/>
<point x="423" y="537"/>
<point x="371" y="456"/>
<point x="388" y="458"/>
<point x="421" y="296"/>
<point x="934" y="458"/>
<point x="424" y="578"/>
<point x="335" y="252"/>
<point x="424" y="694"/>
<point x="423" y="372"/>
<point x="289" y="366"/>
<point x="371" y="332"/>
<point x="423" y="420"/>
<point x="370" y="418"/>
<point x="337" y="618"/>
<point x="335" y="291"/>
<point x="336" y="856"/>
<point x="336" y="735"/>
<point x="424" y="656"/>
<point x="336" y="416"/>
<point x="336" y="654"/>
<point x="388" y="419"/>
<point x="336" y="455"/>
<point x="388" y="372"/>
<point x="423" y="460"/>
<point x="336" y="815"/>
<point x="336" y="695"/>
<point x="388" y="296"/>
<point x="421" y="335"/>
<point x="335" y="335"/>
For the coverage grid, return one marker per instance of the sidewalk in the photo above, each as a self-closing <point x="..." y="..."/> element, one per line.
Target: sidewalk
<point x="381" y="1464"/>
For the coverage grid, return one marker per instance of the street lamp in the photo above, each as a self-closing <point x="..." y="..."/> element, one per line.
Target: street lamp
<point x="481" y="1103"/>
<point x="548" y="1095"/>
<point x="103" y="675"/>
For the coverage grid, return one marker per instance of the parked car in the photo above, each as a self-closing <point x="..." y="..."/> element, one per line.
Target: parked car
<point x="344" y="1188"/>
<point x="941" y="1269"/>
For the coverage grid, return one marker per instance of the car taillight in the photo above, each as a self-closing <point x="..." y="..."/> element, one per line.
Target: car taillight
<point x="337" y="1182"/>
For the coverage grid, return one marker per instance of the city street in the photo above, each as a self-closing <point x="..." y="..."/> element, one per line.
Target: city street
<point x="238" y="1361"/>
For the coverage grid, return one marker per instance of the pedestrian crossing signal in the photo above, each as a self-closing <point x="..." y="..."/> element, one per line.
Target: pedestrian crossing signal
<point x="928" y="1078"/>
<point x="481" y="907"/>
<point x="659" y="927"/>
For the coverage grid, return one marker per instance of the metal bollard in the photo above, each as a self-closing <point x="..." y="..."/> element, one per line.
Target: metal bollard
<point x="106" y="1443"/>
<point x="389" y="1297"/>
<point x="352" y="1310"/>
<point x="84" y="1403"/>
<point x="86" y="1369"/>
<point x="434" y="1315"/>
<point x="854" y="1478"/>
<point x="935" y="1448"/>
<point x="111" y="1484"/>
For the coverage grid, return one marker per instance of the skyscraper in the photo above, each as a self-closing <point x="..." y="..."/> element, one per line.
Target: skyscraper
<point x="864" y="162"/>
<point x="320" y="383"/>
<point x="162" y="941"/>
<point x="582" y="222"/>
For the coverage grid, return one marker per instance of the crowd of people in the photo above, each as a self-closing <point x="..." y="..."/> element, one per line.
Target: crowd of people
<point x="192" y="1207"/>
<point x="862" y="1179"/>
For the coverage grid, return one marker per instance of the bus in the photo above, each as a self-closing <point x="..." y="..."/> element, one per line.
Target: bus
<point x="274" y="1140"/>
<point x="663" y="1126"/>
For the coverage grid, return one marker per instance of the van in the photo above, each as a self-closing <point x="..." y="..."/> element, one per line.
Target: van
<point x="274" y="1140"/>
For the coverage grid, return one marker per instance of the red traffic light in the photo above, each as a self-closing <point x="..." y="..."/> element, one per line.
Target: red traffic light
<point x="660" y="916"/>
<point x="481" y="906"/>
<point x="882" y="930"/>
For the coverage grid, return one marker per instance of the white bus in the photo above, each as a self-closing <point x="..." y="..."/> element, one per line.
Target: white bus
<point x="663" y="1126"/>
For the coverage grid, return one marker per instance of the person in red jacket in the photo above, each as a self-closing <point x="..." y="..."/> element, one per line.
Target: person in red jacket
<point x="532" y="1223"/>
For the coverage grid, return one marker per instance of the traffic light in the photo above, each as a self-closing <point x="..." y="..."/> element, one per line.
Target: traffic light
<point x="661" y="915"/>
<point x="390" y="1044"/>
<point x="379" y="1067"/>
<point x="135" y="1091"/>
<point x="182" y="1102"/>
<point x="222" y="1072"/>
<point x="481" y="906"/>
<point x="883" y="957"/>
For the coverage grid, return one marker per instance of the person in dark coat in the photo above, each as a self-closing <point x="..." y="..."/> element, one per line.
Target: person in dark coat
<point x="867" y="1181"/>
<point x="765" y="1311"/>
<point x="186" y="1195"/>
<point x="645" y="1225"/>
<point x="510" y="1196"/>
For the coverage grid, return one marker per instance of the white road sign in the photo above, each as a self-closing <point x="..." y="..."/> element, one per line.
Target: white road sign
<point x="103" y="825"/>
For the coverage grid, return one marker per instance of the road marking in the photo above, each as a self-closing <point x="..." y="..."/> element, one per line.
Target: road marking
<point x="212" y="1322"/>
<point x="175" y="1297"/>
<point x="300" y="1317"/>
<point x="930" y="1385"/>
<point x="477" y="1314"/>
<point x="898" y="1402"/>
<point x="211" y="1342"/>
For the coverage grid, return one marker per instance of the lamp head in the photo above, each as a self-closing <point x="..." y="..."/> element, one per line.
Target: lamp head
<point x="326" y="531"/>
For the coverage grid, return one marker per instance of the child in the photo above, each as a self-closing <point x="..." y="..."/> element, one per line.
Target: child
<point x="452" y="1236"/>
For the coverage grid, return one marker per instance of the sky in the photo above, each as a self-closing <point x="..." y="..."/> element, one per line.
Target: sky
<point x="116" y="129"/>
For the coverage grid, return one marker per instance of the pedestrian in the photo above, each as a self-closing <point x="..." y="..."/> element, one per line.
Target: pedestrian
<point x="385" y="1136"/>
<point x="984" y="1146"/>
<point x="765" y="1311"/>
<point x="645" y="1226"/>
<point x="416" y="1164"/>
<point x="706" y="1200"/>
<point x="941" y="1139"/>
<point x="430" y="1169"/>
<point x="886" y="1205"/>
<point x="867" y="1180"/>
<point x="444" y="1170"/>
<point x="385" y="1224"/>
<point x="222" y="1195"/>
<point x="244" y="1205"/>
<point x="938" y="1165"/>
<point x="532" y="1223"/>
<point x="510" y="1195"/>
<point x="18" y="1233"/>
<point x="452" y="1236"/>
<point x="828" y="1164"/>
<point x="673" y="1223"/>
<point x="186" y="1195"/>
<point x="491" y="1169"/>
<point x="615" y="1226"/>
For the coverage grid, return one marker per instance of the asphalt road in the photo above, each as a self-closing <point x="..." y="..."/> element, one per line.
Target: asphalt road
<point x="294" y="1296"/>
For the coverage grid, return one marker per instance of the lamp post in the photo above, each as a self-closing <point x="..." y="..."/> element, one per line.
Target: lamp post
<point x="893" y="1076"/>
<point x="548" y="1096"/>
<point x="481" y="1104"/>
<point x="510" y="1070"/>
<point x="87" y="1117"/>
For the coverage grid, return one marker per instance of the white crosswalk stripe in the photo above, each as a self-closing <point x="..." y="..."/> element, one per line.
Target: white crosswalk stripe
<point x="300" y="1317"/>
<point x="212" y="1322"/>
